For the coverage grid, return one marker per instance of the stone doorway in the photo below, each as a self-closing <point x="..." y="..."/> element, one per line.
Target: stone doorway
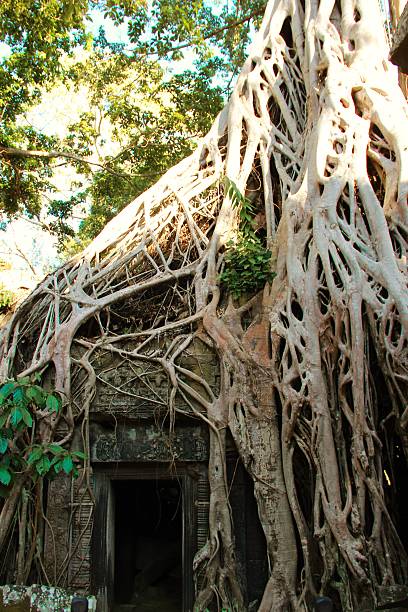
<point x="144" y="538"/>
<point x="148" y="545"/>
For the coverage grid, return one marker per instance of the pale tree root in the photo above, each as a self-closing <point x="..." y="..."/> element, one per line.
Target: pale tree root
<point x="314" y="368"/>
<point x="220" y="579"/>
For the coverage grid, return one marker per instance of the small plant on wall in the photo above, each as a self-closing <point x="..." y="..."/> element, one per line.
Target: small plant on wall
<point x="6" y="299"/>
<point x="247" y="263"/>
<point x="23" y="406"/>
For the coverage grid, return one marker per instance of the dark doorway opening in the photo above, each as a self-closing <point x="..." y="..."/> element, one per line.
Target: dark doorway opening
<point x="148" y="545"/>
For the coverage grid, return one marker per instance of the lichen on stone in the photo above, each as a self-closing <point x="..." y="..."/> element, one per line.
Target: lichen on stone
<point x="38" y="598"/>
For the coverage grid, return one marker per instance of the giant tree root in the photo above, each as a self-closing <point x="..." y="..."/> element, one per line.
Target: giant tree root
<point x="314" y="368"/>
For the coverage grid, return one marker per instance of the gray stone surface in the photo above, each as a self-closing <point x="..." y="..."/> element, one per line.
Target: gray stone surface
<point x="399" y="51"/>
<point x="392" y="596"/>
<point x="58" y="514"/>
<point x="129" y="424"/>
<point x="37" y="598"/>
<point x="150" y="442"/>
<point x="141" y="390"/>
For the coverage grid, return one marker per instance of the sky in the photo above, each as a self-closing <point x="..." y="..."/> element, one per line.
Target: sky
<point x="114" y="33"/>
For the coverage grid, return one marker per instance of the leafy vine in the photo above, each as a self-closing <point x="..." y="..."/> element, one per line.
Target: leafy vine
<point x="247" y="263"/>
<point x="22" y="406"/>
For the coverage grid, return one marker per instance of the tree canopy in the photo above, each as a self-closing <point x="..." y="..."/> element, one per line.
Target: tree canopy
<point x="153" y="115"/>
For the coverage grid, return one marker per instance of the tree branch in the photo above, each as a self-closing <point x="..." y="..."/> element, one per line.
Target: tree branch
<point x="230" y="26"/>
<point x="8" y="152"/>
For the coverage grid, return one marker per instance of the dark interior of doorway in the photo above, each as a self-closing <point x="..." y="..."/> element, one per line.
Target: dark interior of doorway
<point x="148" y="545"/>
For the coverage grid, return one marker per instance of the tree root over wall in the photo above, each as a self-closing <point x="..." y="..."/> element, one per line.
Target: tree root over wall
<point x="314" y="367"/>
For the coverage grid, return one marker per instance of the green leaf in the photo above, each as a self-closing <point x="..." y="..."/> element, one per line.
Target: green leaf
<point x="6" y="390"/>
<point x="53" y="403"/>
<point x="3" y="445"/>
<point x="18" y="396"/>
<point x="55" y="449"/>
<point x="35" y="455"/>
<point x="67" y="464"/>
<point x="36" y="394"/>
<point x="79" y="454"/>
<point x="43" y="465"/>
<point x="27" y="418"/>
<point x="57" y="465"/>
<point x="5" y="476"/>
<point x="16" y="416"/>
<point x="4" y="416"/>
<point x="246" y="266"/>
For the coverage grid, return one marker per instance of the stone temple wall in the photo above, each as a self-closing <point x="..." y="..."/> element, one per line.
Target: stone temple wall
<point x="399" y="51"/>
<point x="129" y="426"/>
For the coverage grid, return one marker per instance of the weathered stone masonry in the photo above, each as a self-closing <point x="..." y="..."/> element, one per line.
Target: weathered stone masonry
<point x="131" y="436"/>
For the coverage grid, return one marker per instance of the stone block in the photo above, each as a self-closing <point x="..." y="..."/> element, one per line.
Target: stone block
<point x="399" y="51"/>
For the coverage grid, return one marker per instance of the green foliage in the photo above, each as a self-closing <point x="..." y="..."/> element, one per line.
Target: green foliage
<point x="51" y="459"/>
<point x="247" y="266"/>
<point x="154" y="115"/>
<point x="246" y="209"/>
<point x="6" y="299"/>
<point x="247" y="263"/>
<point x="156" y="120"/>
<point x="22" y="181"/>
<point x="171" y="26"/>
<point x="151" y="122"/>
<point x="37" y="33"/>
<point x="21" y="403"/>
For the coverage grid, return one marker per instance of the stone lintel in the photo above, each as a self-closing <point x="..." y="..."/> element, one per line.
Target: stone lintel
<point x="399" y="51"/>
